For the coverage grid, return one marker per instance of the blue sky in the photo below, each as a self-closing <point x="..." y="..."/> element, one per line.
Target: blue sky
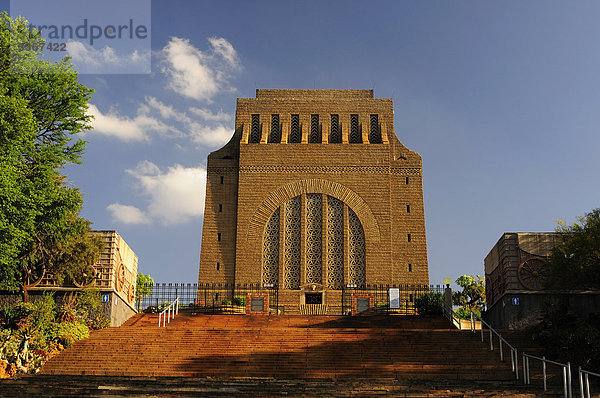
<point x="501" y="99"/>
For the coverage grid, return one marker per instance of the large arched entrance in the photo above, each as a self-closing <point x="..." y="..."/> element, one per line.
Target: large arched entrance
<point x="313" y="239"/>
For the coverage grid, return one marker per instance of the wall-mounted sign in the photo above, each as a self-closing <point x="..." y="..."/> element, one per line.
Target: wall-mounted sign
<point x="257" y="304"/>
<point x="105" y="298"/>
<point x="515" y="301"/>
<point x="394" y="297"/>
<point x="363" y="304"/>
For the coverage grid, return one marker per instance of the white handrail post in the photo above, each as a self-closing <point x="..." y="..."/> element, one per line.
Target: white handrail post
<point x="491" y="340"/>
<point x="516" y="368"/>
<point x="524" y="367"/>
<point x="528" y="374"/>
<point x="544" y="371"/>
<point x="587" y="385"/>
<point x="570" y="386"/>
<point x="580" y="383"/>
<point x="565" y="381"/>
<point x="472" y="323"/>
<point x="177" y="306"/>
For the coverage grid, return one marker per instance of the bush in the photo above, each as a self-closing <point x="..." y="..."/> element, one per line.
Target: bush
<point x="568" y="337"/>
<point x="430" y="303"/>
<point x="67" y="333"/>
<point x="239" y="300"/>
<point x="226" y="302"/>
<point x="89" y="309"/>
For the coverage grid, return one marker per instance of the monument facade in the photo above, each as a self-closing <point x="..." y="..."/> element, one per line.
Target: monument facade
<point x="313" y="193"/>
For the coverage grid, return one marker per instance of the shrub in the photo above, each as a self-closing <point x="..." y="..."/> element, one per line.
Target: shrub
<point x="226" y="302"/>
<point x="569" y="337"/>
<point x="430" y="303"/>
<point x="239" y="300"/>
<point x="67" y="333"/>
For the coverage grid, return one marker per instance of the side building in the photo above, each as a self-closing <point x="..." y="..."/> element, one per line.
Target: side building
<point x="515" y="272"/>
<point x="115" y="278"/>
<point x="314" y="193"/>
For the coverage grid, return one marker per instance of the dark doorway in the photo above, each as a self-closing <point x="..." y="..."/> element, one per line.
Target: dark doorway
<point x="313" y="298"/>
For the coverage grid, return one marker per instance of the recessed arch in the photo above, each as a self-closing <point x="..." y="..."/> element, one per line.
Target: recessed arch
<point x="292" y="189"/>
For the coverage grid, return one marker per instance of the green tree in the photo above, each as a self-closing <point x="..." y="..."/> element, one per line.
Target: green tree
<point x="472" y="296"/>
<point x="143" y="288"/>
<point x="42" y="108"/>
<point x="574" y="263"/>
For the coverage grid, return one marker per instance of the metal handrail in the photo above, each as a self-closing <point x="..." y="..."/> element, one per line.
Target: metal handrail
<point x="452" y="317"/>
<point x="168" y="313"/>
<point x="567" y="387"/>
<point x="514" y="359"/>
<point x="584" y="375"/>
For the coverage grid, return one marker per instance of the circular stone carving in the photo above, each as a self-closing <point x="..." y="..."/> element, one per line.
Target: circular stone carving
<point x="121" y="278"/>
<point x="85" y="278"/>
<point x="532" y="274"/>
<point x="131" y="293"/>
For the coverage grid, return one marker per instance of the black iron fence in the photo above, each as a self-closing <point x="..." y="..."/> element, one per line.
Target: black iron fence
<point x="390" y="299"/>
<point x="231" y="298"/>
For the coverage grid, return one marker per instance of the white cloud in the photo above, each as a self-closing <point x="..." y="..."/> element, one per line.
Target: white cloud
<point x="175" y="196"/>
<point x="208" y="115"/>
<point x="211" y="136"/>
<point x="224" y="49"/>
<point x="127" y="214"/>
<point x="197" y="132"/>
<point x="197" y="74"/>
<point x="128" y="129"/>
<point x="91" y="58"/>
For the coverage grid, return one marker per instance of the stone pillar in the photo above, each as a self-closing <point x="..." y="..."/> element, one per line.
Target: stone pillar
<point x="302" y="239"/>
<point x="447" y="299"/>
<point x="346" y="246"/>
<point x="324" y="241"/>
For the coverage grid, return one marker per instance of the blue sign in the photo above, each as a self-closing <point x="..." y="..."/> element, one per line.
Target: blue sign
<point x="105" y="298"/>
<point x="515" y="301"/>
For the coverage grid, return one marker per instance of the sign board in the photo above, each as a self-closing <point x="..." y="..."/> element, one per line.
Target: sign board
<point x="362" y="304"/>
<point x="105" y="298"/>
<point x="257" y="304"/>
<point x="394" y="297"/>
<point x="515" y="301"/>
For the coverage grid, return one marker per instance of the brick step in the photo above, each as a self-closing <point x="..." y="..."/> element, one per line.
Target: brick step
<point x="96" y="386"/>
<point x="226" y="346"/>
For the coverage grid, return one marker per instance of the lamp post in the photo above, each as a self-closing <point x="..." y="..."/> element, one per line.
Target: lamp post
<point x="447" y="296"/>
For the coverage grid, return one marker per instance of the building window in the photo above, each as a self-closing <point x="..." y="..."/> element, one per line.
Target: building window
<point x="218" y="266"/>
<point x="355" y="133"/>
<point x="220" y="207"/>
<point x="408" y="208"/>
<point x="219" y="237"/>
<point x="409" y="237"/>
<point x="409" y="267"/>
<point x="410" y="297"/>
<point x="275" y="137"/>
<point x="255" y="133"/>
<point x="406" y="180"/>
<point x="315" y="133"/>
<point x="336" y="133"/>
<point x="222" y="179"/>
<point x="295" y="136"/>
<point x="375" y="132"/>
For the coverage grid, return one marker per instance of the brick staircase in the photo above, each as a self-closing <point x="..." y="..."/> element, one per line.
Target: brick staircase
<point x="414" y="355"/>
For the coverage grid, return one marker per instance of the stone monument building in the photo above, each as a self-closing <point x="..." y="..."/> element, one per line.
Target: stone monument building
<point x="314" y="192"/>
